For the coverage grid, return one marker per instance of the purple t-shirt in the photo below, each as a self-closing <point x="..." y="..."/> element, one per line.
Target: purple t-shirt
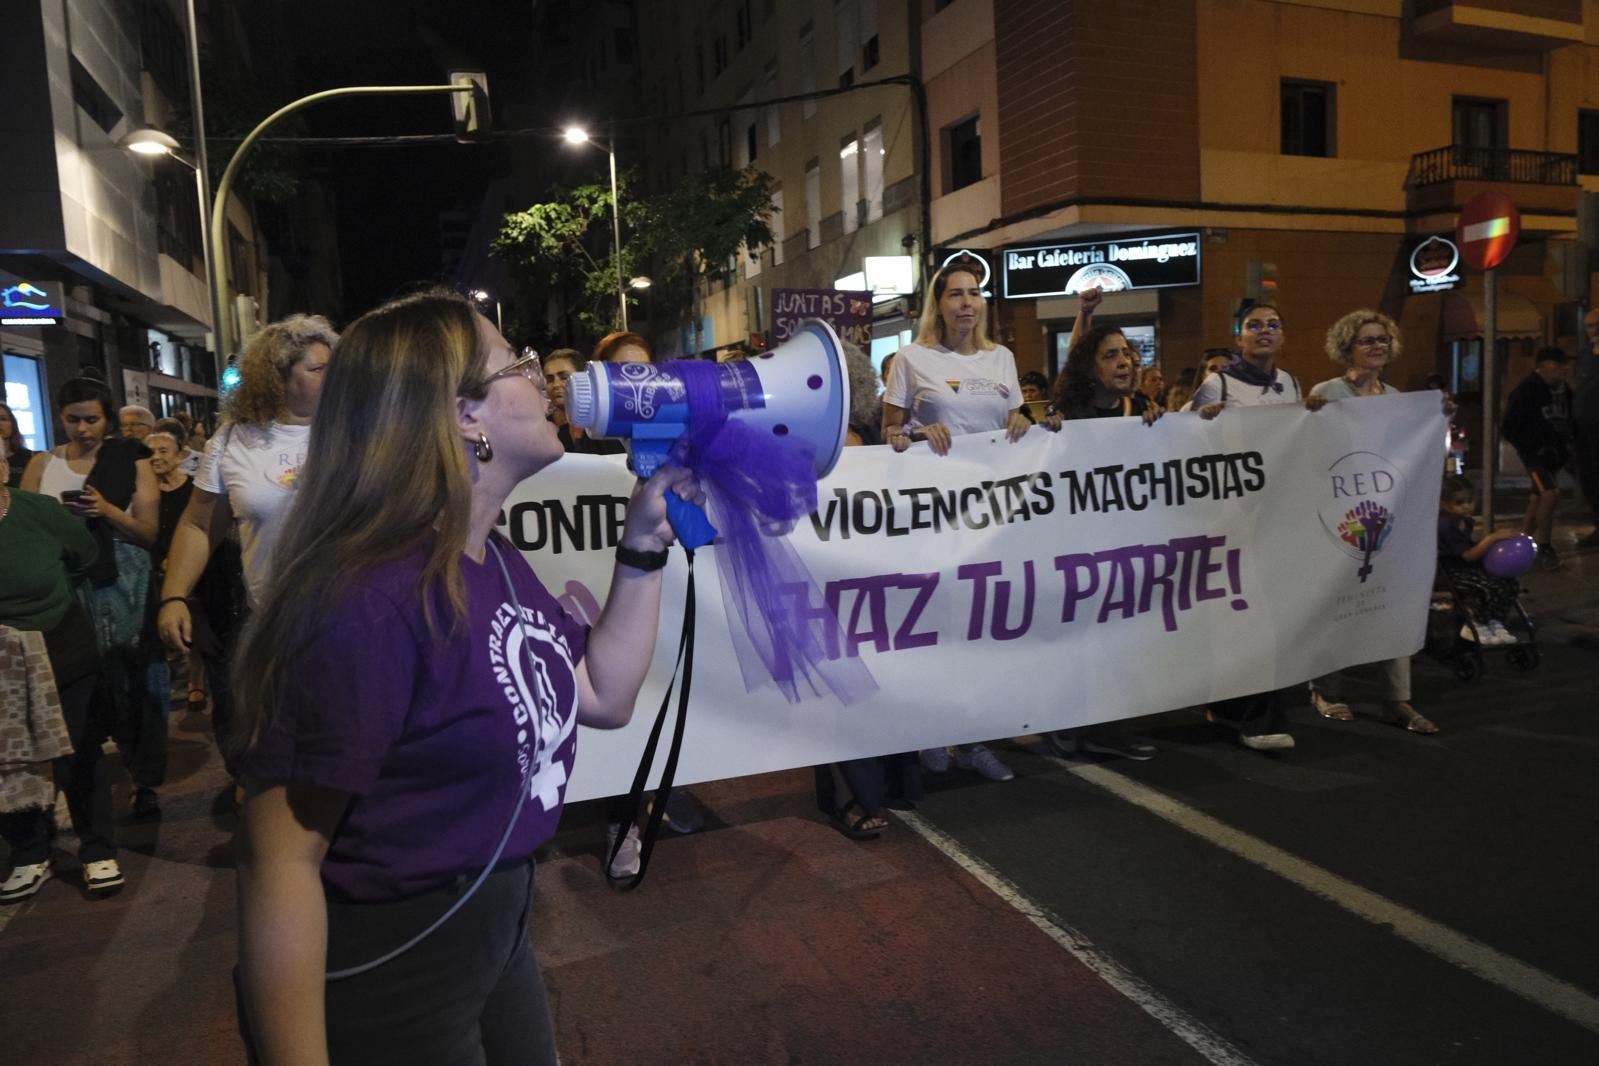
<point x="430" y="737"/>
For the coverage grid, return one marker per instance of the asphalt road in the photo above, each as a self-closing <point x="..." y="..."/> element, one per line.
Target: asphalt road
<point x="1372" y="897"/>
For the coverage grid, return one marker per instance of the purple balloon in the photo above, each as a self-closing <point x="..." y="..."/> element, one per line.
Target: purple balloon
<point x="1512" y="557"/>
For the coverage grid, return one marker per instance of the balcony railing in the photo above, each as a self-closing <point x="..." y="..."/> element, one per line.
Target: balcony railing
<point x="1459" y="163"/>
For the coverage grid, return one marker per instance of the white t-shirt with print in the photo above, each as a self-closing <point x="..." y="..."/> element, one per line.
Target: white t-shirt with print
<point x="968" y="393"/>
<point x="1283" y="389"/>
<point x="256" y="468"/>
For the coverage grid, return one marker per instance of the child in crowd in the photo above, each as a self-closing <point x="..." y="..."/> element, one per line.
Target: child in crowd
<point x="1488" y="599"/>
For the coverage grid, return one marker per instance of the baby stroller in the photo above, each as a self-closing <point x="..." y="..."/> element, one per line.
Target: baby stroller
<point x="1456" y="633"/>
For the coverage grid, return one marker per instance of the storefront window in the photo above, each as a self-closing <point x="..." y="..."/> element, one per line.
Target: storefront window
<point x="25" y="397"/>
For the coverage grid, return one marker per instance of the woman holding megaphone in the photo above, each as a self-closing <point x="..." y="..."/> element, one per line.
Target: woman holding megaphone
<point x="954" y="380"/>
<point x="409" y="693"/>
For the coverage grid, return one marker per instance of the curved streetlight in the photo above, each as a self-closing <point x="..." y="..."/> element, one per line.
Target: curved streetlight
<point x="150" y="141"/>
<point x="640" y="283"/>
<point x="579" y="135"/>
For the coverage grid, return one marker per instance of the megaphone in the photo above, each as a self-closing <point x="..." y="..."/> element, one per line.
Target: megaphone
<point x="798" y="393"/>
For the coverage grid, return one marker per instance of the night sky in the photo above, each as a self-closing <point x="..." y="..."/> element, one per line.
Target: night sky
<point x="389" y="198"/>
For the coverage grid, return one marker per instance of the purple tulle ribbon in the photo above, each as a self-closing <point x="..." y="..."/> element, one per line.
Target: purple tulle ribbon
<point x="757" y="486"/>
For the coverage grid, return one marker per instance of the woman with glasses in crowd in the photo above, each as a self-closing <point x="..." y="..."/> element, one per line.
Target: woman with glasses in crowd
<point x="409" y="692"/>
<point x="1253" y="379"/>
<point x="1364" y="343"/>
<point x="952" y="381"/>
<point x="249" y="473"/>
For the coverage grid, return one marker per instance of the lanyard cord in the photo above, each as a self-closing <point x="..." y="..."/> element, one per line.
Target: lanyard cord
<point x="663" y="791"/>
<point x="505" y="837"/>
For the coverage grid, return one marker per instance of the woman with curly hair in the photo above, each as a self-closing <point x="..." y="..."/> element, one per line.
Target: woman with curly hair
<point x="249" y="472"/>
<point x="1364" y="343"/>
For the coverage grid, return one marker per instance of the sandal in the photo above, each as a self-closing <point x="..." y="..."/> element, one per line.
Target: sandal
<point x="1337" y="712"/>
<point x="197" y="701"/>
<point x="1402" y="713"/>
<point x="857" y="826"/>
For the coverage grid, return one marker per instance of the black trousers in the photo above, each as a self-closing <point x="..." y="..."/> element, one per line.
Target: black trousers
<point x="1586" y="450"/>
<point x="84" y="776"/>
<point x="470" y="993"/>
<point x="135" y="682"/>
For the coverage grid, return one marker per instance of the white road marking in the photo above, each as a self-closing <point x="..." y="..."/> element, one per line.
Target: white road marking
<point x="1473" y="956"/>
<point x="1186" y="1028"/>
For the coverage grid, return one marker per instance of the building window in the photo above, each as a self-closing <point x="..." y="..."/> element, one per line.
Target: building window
<point x="872" y="149"/>
<point x="724" y="143"/>
<point x="24" y="393"/>
<point x="807" y="65"/>
<point x="1588" y="142"/>
<point x="777" y="227"/>
<point x="719" y="55"/>
<point x="1479" y="123"/>
<point x="849" y="172"/>
<point x="813" y="204"/>
<point x="869" y="46"/>
<point x="844" y="25"/>
<point x="963" y="148"/>
<point x="95" y="101"/>
<point x="774" y="114"/>
<point x="741" y="25"/>
<point x="241" y="257"/>
<point x="1308" y="118"/>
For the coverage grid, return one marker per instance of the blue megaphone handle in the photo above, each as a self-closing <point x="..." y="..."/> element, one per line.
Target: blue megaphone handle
<point x="688" y="520"/>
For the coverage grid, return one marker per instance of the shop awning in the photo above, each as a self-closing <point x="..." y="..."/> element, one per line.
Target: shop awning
<point x="1463" y="316"/>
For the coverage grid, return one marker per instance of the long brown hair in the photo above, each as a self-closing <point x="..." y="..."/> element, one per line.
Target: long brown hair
<point x="385" y="473"/>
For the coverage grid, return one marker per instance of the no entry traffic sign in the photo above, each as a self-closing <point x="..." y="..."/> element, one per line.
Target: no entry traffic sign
<point x="1487" y="230"/>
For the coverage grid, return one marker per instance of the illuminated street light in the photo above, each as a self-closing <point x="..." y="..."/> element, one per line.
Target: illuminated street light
<point x="579" y="135"/>
<point x="148" y="141"/>
<point x="640" y="283"/>
<point x="483" y="296"/>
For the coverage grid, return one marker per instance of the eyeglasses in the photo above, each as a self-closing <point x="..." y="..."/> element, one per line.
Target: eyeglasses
<point x="1270" y="325"/>
<point x="528" y="366"/>
<point x="1382" y="339"/>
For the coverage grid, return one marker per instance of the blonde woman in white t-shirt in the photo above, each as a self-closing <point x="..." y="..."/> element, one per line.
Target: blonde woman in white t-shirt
<point x="953" y="380"/>
<point x="248" y="473"/>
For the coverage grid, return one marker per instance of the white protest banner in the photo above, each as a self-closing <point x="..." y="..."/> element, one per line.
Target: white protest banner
<point x="1110" y="570"/>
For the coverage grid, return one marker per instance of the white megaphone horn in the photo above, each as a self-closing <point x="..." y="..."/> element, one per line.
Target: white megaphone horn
<point x="798" y="391"/>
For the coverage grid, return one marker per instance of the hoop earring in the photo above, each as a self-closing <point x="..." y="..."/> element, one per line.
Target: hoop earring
<point x="482" y="449"/>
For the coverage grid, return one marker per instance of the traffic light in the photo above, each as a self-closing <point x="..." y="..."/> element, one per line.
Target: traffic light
<point x="470" y="111"/>
<point x="1261" y="282"/>
<point x="230" y="375"/>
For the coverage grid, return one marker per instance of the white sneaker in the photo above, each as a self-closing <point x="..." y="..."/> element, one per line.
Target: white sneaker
<point x="24" y="882"/>
<point x="103" y="878"/>
<point x="1501" y="634"/>
<point x="626" y="863"/>
<point x="1267" y="741"/>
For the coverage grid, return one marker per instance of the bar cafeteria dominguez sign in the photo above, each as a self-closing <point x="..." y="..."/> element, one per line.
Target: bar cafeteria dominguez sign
<point x="1162" y="261"/>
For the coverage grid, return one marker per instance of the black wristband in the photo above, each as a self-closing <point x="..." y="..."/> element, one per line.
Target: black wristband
<point x="172" y="599"/>
<point x="645" y="561"/>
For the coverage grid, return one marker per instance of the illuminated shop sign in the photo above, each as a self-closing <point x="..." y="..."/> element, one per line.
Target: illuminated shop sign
<point x="24" y="303"/>
<point x="1432" y="265"/>
<point x="1161" y="261"/>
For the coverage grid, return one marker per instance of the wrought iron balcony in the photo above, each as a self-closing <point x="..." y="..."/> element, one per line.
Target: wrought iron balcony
<point x="1460" y="163"/>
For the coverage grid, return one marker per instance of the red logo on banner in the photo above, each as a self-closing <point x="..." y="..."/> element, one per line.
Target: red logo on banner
<point x="1487" y="231"/>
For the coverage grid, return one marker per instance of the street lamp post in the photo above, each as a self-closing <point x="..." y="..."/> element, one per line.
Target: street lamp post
<point x="219" y="271"/>
<point x="579" y="135"/>
<point x="153" y="142"/>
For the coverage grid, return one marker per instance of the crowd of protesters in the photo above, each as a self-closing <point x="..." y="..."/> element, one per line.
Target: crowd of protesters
<point x="138" y="546"/>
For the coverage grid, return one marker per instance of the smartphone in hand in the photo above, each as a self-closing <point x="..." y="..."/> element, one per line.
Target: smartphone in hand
<point x="72" y="497"/>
